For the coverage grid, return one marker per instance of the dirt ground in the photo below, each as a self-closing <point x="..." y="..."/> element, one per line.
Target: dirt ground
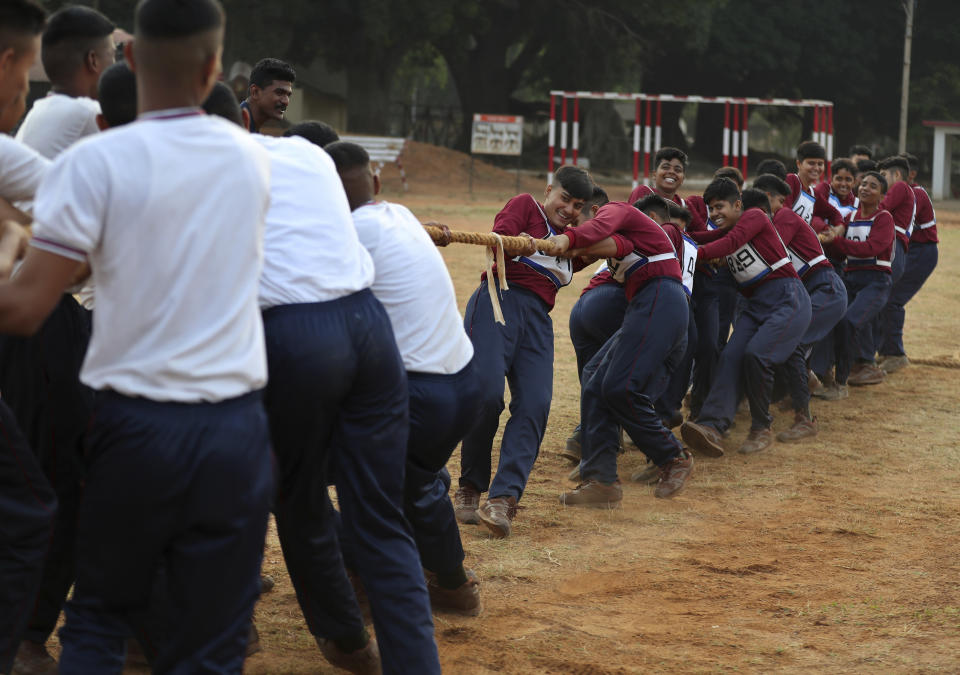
<point x="835" y="555"/>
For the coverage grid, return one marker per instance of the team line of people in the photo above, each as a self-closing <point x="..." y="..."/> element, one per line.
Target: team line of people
<point x="144" y="444"/>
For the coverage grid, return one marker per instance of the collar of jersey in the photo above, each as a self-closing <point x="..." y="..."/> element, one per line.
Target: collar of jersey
<point x="170" y="113"/>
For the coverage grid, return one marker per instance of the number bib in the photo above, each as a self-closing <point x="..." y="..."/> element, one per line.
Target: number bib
<point x="688" y="263"/>
<point x="622" y="268"/>
<point x="558" y="270"/>
<point x="845" y="211"/>
<point x="859" y="230"/>
<point x="748" y="267"/>
<point x="803" y="207"/>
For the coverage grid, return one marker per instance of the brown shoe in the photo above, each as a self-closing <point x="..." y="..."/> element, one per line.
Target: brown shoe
<point x="497" y="513"/>
<point x="594" y="494"/>
<point x="674" y="475"/>
<point x="892" y="364"/>
<point x="574" y="474"/>
<point x="364" y="661"/>
<point x="865" y="373"/>
<point x="757" y="440"/>
<point x="464" y="600"/>
<point x="466" y="501"/>
<point x="705" y="440"/>
<point x="571" y="450"/>
<point x="648" y="475"/>
<point x="803" y="427"/>
<point x="33" y="659"/>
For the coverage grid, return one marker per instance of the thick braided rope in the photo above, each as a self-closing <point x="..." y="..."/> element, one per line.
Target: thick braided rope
<point x="511" y="245"/>
<point x="942" y="362"/>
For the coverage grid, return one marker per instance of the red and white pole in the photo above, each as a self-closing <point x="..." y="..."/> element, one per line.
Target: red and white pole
<point x="829" y="140"/>
<point x="816" y="124"/>
<point x="743" y="143"/>
<point x="735" y="145"/>
<point x="636" y="146"/>
<point x="726" y="134"/>
<point x="563" y="132"/>
<point x="646" y="148"/>
<point x="576" y="129"/>
<point x="656" y="133"/>
<point x="551" y="138"/>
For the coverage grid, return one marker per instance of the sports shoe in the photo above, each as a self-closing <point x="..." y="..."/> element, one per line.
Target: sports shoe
<point x="803" y="427"/>
<point x="267" y="583"/>
<point x="571" y="450"/>
<point x="832" y="392"/>
<point x="33" y="659"/>
<point x="892" y="364"/>
<point x="364" y="661"/>
<point x="466" y="501"/>
<point x="864" y="374"/>
<point x="648" y="475"/>
<point x="757" y="440"/>
<point x="673" y="420"/>
<point x="594" y="494"/>
<point x="574" y="474"/>
<point x="705" y="440"/>
<point x="464" y="600"/>
<point x="674" y="475"/>
<point x="497" y="513"/>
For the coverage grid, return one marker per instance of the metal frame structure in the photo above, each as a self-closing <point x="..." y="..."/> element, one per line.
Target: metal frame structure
<point x="735" y="125"/>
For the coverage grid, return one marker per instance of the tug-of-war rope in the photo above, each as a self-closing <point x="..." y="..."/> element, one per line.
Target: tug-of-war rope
<point x="443" y="235"/>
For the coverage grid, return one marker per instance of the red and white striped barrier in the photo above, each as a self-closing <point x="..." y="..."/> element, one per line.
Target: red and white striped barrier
<point x="735" y="144"/>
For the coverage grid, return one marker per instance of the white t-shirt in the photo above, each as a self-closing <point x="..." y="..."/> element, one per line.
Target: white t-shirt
<point x="57" y="121"/>
<point x="21" y="170"/>
<point x="311" y="252"/>
<point x="169" y="210"/>
<point x="414" y="286"/>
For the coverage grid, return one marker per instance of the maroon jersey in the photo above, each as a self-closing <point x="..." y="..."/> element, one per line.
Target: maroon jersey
<point x="699" y="214"/>
<point x="539" y="273"/>
<point x="696" y="220"/>
<point x="644" y="250"/>
<point x="806" y="204"/>
<point x="902" y="205"/>
<point x="752" y="247"/>
<point x="925" y="228"/>
<point x="868" y="242"/>
<point x="803" y="247"/>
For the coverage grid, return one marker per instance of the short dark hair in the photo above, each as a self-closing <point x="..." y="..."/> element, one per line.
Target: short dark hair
<point x="222" y="103"/>
<point x="574" y="180"/>
<point x="861" y="150"/>
<point x="653" y="203"/>
<point x="680" y="213"/>
<point x="18" y="19"/>
<point x="318" y="133"/>
<point x="810" y="150"/>
<point x="895" y="162"/>
<point x="773" y="167"/>
<point x="866" y="165"/>
<point x="270" y="70"/>
<point x="161" y="19"/>
<point x="844" y="163"/>
<point x="753" y="198"/>
<point x="117" y="93"/>
<point x="668" y="153"/>
<point x="912" y="161"/>
<point x="721" y="188"/>
<point x="770" y="183"/>
<point x="598" y="198"/>
<point x="731" y="172"/>
<point x="347" y="155"/>
<point x="70" y="34"/>
<point x="879" y="176"/>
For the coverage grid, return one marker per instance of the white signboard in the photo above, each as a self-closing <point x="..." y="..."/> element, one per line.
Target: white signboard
<point x="497" y="135"/>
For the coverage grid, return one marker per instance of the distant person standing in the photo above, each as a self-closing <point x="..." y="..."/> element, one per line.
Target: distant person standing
<point x="77" y="47"/>
<point x="271" y="86"/>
